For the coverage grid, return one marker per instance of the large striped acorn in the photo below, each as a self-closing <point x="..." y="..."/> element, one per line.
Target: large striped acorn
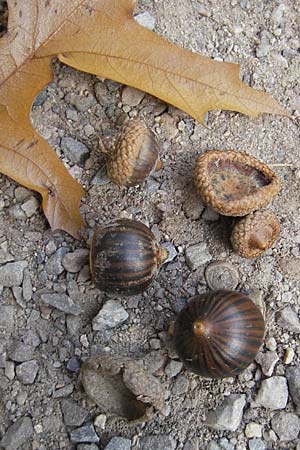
<point x="219" y="333"/>
<point x="125" y="257"/>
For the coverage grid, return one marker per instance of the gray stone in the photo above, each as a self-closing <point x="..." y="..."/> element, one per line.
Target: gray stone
<point x="87" y="447"/>
<point x="74" y="415"/>
<point x="146" y="20"/>
<point x="158" y="442"/>
<point x="289" y="320"/>
<point x="273" y="393"/>
<point x="54" y="264"/>
<point x="197" y="255"/>
<point x="84" y="434"/>
<point x="101" y="178"/>
<point x="111" y="315"/>
<point x="225" y="444"/>
<point x="253" y="430"/>
<point x="74" y="261"/>
<point x="191" y="445"/>
<point x="7" y="313"/>
<point x="73" y="365"/>
<point x="17" y="291"/>
<point x="173" y="368"/>
<point x="286" y="426"/>
<point x="293" y="377"/>
<point x="267" y="362"/>
<point x="172" y="253"/>
<point x="193" y="208"/>
<point x="16" y="212"/>
<point x="11" y="274"/>
<point x="256" y="444"/>
<point x="27" y="286"/>
<point x="213" y="446"/>
<point x="9" y="370"/>
<point x="264" y="47"/>
<point x="5" y="256"/>
<point x="181" y="385"/>
<point x="118" y="443"/>
<point x="75" y="151"/>
<point x="221" y="275"/>
<point x="82" y="103"/>
<point x="17" y="434"/>
<point x="71" y="114"/>
<point x="132" y="96"/>
<point x="210" y="215"/>
<point x="64" y="391"/>
<point x="27" y="371"/>
<point x="22" y="193"/>
<point x="228" y="415"/>
<point x="31" y="206"/>
<point x="62" y="302"/>
<point x="20" y="352"/>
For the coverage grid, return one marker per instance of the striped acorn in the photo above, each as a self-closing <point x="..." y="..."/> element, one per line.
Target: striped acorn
<point x="219" y="333"/>
<point x="125" y="257"/>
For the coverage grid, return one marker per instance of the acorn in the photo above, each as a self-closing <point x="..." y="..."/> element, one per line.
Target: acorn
<point x="218" y="334"/>
<point x="255" y="233"/>
<point x="234" y="183"/>
<point x="125" y="257"/>
<point x="135" y="155"/>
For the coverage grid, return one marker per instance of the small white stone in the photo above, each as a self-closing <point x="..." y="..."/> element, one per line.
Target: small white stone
<point x="146" y="20"/>
<point x="253" y="430"/>
<point x="100" y="421"/>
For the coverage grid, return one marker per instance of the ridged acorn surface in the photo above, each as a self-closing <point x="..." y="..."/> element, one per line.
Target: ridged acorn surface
<point x="219" y="333"/>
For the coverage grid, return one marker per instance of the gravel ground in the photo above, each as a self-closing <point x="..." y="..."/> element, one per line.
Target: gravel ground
<point x="42" y="346"/>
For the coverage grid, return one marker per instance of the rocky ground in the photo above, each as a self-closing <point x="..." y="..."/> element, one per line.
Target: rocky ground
<point x="48" y="301"/>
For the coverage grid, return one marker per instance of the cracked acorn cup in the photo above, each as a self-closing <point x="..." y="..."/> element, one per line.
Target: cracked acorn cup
<point x="234" y="183"/>
<point x="125" y="257"/>
<point x="134" y="156"/>
<point x="218" y="334"/>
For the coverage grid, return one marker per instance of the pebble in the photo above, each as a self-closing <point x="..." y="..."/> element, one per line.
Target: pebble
<point x="267" y="362"/>
<point x="146" y="20"/>
<point x="27" y="371"/>
<point x="173" y="368"/>
<point x="221" y="275"/>
<point x="100" y="421"/>
<point x="87" y="447"/>
<point x="73" y="262"/>
<point x="158" y="442"/>
<point x="213" y="445"/>
<point x="197" y="255"/>
<point x="84" y="434"/>
<point x="17" y="434"/>
<point x="64" y="391"/>
<point x="181" y="385"/>
<point x="75" y="151"/>
<point x="172" y="252"/>
<point x="289" y="320"/>
<point x="293" y="377"/>
<point x="273" y="393"/>
<point x="54" y="264"/>
<point x="5" y="256"/>
<point x="11" y="274"/>
<point x="111" y="315"/>
<point x="101" y="178"/>
<point x="132" y="96"/>
<point x="286" y="426"/>
<point x="16" y="212"/>
<point x="30" y="206"/>
<point x="22" y="193"/>
<point x="288" y="356"/>
<point x="264" y="47"/>
<point x="193" y="208"/>
<point x="271" y="344"/>
<point x="20" y="352"/>
<point x="9" y="370"/>
<point x="82" y="103"/>
<point x="228" y="415"/>
<point x="27" y="286"/>
<point x="210" y="215"/>
<point x="118" y="443"/>
<point x="73" y="365"/>
<point x="253" y="430"/>
<point x="256" y="444"/>
<point x="7" y="314"/>
<point x="61" y="302"/>
<point x="73" y="414"/>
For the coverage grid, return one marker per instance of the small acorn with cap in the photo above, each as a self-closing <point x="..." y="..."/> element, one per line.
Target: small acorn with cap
<point x="134" y="156"/>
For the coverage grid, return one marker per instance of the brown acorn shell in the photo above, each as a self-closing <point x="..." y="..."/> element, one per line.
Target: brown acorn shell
<point x="234" y="183"/>
<point x="219" y="333"/>
<point x="254" y="234"/>
<point x="134" y="156"/>
<point x="125" y="257"/>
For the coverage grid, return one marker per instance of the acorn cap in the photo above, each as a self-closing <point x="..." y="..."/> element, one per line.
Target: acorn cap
<point x="135" y="155"/>
<point x="255" y="233"/>
<point x="234" y="183"/>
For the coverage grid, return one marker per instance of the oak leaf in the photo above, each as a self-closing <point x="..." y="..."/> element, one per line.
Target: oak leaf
<point x="100" y="37"/>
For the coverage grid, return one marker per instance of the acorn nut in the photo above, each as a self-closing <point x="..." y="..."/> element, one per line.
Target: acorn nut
<point x="135" y="155"/>
<point x="254" y="234"/>
<point x="125" y="257"/>
<point x="234" y="183"/>
<point x="218" y="334"/>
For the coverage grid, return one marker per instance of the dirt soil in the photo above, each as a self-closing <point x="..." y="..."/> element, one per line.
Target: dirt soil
<point x="264" y="38"/>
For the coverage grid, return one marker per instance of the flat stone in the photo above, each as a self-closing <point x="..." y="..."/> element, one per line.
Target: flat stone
<point x="221" y="275"/>
<point x="228" y="415"/>
<point x="7" y="313"/>
<point x="27" y="286"/>
<point x="132" y="96"/>
<point x="286" y="426"/>
<point x="256" y="444"/>
<point x="11" y="274"/>
<point x="118" y="443"/>
<point x="84" y="434"/>
<point x="5" y="256"/>
<point x="197" y="255"/>
<point x="54" y="264"/>
<point x="22" y="193"/>
<point x="27" y="371"/>
<point x="64" y="391"/>
<point x="158" y="442"/>
<point x="289" y="320"/>
<point x="111" y="315"/>
<point x="17" y="434"/>
<point x="31" y="206"/>
<point x="293" y="377"/>
<point x="74" y="415"/>
<point x="173" y="368"/>
<point x="73" y="262"/>
<point x="146" y="20"/>
<point x="62" y="302"/>
<point x="75" y="151"/>
<point x="20" y="352"/>
<point x="273" y="393"/>
<point x="267" y="362"/>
